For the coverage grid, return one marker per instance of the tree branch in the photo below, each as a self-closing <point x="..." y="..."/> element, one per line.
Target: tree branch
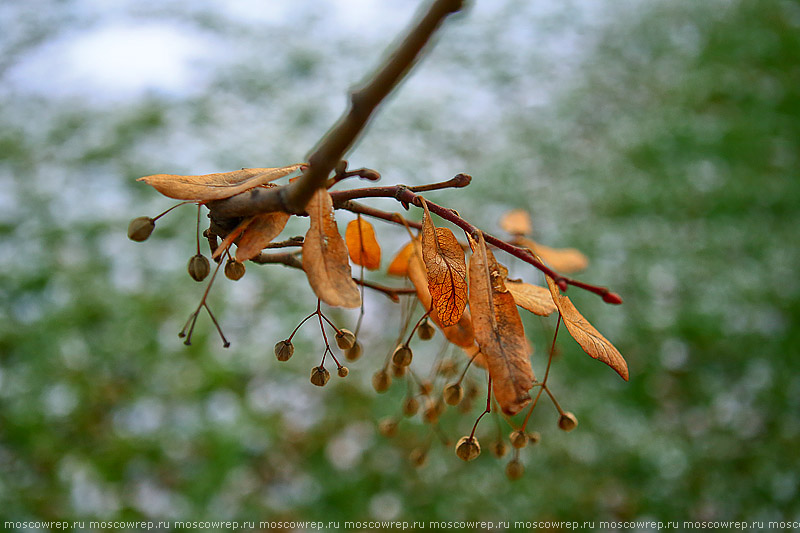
<point x="293" y="197"/>
<point x="290" y="259"/>
<point x="407" y="196"/>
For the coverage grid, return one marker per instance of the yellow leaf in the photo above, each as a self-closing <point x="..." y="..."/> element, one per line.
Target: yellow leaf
<point x="362" y="244"/>
<point x="592" y="342"/>
<point x="516" y="222"/>
<point x="260" y="232"/>
<point x="460" y="333"/>
<point x="446" y="270"/>
<point x="325" y="256"/>
<point x="498" y="331"/>
<point x="217" y="186"/>
<point x="399" y="265"/>
<point x="533" y="298"/>
<point x="564" y="260"/>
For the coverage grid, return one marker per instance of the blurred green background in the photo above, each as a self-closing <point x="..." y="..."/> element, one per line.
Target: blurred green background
<point x="662" y="138"/>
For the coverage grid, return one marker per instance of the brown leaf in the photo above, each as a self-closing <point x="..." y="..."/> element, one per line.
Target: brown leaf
<point x="399" y="265"/>
<point x="325" y="256"/>
<point x="499" y="331"/>
<point x="564" y="260"/>
<point x="587" y="336"/>
<point x="516" y="222"/>
<point x="446" y="270"/>
<point x="460" y="333"/>
<point x="231" y="237"/>
<point x="535" y="299"/>
<point x="260" y="232"/>
<point x="217" y="186"/>
<point x="362" y="244"/>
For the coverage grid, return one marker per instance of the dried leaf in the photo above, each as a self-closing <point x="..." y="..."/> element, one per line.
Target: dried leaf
<point x="217" y="186"/>
<point x="587" y="336"/>
<point x="535" y="299"/>
<point x="325" y="256"/>
<point x="460" y="333"/>
<point x="362" y="244"/>
<point x="399" y="265"/>
<point x="446" y="270"/>
<point x="499" y="331"/>
<point x="263" y="228"/>
<point x="564" y="260"/>
<point x="231" y="237"/>
<point x="516" y="222"/>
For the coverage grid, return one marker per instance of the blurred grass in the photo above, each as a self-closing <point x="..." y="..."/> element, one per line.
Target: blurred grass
<point x="670" y="159"/>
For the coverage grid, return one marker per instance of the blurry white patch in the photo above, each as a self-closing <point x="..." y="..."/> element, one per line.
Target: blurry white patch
<point x="385" y="506"/>
<point x="345" y="450"/>
<point x="115" y="61"/>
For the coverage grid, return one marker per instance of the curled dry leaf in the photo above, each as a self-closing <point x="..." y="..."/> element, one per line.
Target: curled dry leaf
<point x="325" y="256"/>
<point x="399" y="265"/>
<point x="585" y="334"/>
<point x="564" y="260"/>
<point x="231" y="237"/>
<point x="460" y="333"/>
<point x="362" y="244"/>
<point x="516" y="222"/>
<point x="499" y="331"/>
<point x="533" y="298"/>
<point x="259" y="233"/>
<point x="217" y="186"/>
<point x="446" y="270"/>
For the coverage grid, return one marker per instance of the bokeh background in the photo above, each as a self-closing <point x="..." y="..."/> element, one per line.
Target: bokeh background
<point x="662" y="138"/>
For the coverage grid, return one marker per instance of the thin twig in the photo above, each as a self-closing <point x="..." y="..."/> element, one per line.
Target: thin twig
<point x="339" y="139"/>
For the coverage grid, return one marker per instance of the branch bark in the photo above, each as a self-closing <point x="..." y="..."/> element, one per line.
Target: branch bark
<point x="340" y="138"/>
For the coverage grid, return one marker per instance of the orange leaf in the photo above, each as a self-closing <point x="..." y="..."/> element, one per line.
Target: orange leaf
<point x="516" y="222"/>
<point x="587" y="336"/>
<point x="564" y="260"/>
<point x="535" y="299"/>
<point x="362" y="244"/>
<point x="325" y="256"/>
<point x="460" y="333"/>
<point x="231" y="237"/>
<point x="499" y="331"/>
<point x="264" y="228"/>
<point x="446" y="270"/>
<point x="218" y="186"/>
<point x="399" y="265"/>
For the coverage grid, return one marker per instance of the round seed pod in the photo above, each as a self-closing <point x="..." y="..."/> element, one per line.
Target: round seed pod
<point x="418" y="457"/>
<point x="399" y="371"/>
<point x="381" y="381"/>
<point x="453" y="394"/>
<point x="425" y="387"/>
<point x="345" y="339"/>
<point x="499" y="448"/>
<point x="410" y="406"/>
<point x="354" y="352"/>
<point x="567" y="421"/>
<point x="284" y="350"/>
<point x="343" y="371"/>
<point x="234" y="270"/>
<point x="369" y="174"/>
<point x="140" y="228"/>
<point x="518" y="439"/>
<point x="320" y="376"/>
<point x="534" y="437"/>
<point x="388" y="427"/>
<point x="426" y="331"/>
<point x="514" y="469"/>
<point x="468" y="448"/>
<point x="402" y="355"/>
<point x="431" y="412"/>
<point x="198" y="267"/>
<point x="448" y="368"/>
